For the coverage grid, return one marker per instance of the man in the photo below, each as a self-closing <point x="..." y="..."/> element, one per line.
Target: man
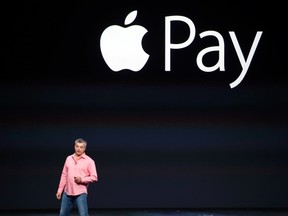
<point x="79" y="170"/>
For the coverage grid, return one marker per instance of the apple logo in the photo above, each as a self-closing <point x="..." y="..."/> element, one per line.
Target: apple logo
<point x="121" y="47"/>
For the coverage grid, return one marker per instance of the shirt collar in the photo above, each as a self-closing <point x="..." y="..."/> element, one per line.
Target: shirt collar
<point x="82" y="156"/>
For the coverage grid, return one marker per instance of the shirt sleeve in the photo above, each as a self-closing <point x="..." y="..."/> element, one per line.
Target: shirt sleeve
<point x="63" y="178"/>
<point x="92" y="175"/>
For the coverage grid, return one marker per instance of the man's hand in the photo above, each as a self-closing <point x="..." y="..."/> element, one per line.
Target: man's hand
<point x="58" y="195"/>
<point x="77" y="179"/>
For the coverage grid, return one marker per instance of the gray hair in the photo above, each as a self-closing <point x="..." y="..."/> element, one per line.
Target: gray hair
<point x="80" y="140"/>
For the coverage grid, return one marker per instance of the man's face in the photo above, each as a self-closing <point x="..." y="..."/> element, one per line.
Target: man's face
<point x="79" y="148"/>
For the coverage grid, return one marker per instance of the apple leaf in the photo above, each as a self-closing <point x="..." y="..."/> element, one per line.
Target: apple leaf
<point x="130" y="17"/>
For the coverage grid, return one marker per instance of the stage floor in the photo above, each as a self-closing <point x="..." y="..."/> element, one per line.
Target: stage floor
<point x="156" y="212"/>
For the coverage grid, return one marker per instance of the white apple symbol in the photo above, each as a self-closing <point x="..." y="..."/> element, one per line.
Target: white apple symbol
<point x="121" y="47"/>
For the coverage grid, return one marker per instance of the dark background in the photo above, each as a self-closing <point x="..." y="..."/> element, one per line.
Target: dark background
<point x="178" y="139"/>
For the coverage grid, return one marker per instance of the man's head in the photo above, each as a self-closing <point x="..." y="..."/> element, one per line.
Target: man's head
<point x="80" y="146"/>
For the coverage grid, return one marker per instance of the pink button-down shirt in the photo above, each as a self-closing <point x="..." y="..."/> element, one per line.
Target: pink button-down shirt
<point x="84" y="167"/>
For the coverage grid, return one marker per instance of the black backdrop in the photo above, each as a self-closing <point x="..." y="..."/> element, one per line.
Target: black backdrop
<point x="178" y="139"/>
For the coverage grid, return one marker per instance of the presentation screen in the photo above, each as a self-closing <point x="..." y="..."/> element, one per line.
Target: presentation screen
<point x="183" y="104"/>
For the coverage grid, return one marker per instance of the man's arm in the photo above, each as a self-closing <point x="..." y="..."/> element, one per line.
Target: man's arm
<point x="62" y="182"/>
<point x="92" y="174"/>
